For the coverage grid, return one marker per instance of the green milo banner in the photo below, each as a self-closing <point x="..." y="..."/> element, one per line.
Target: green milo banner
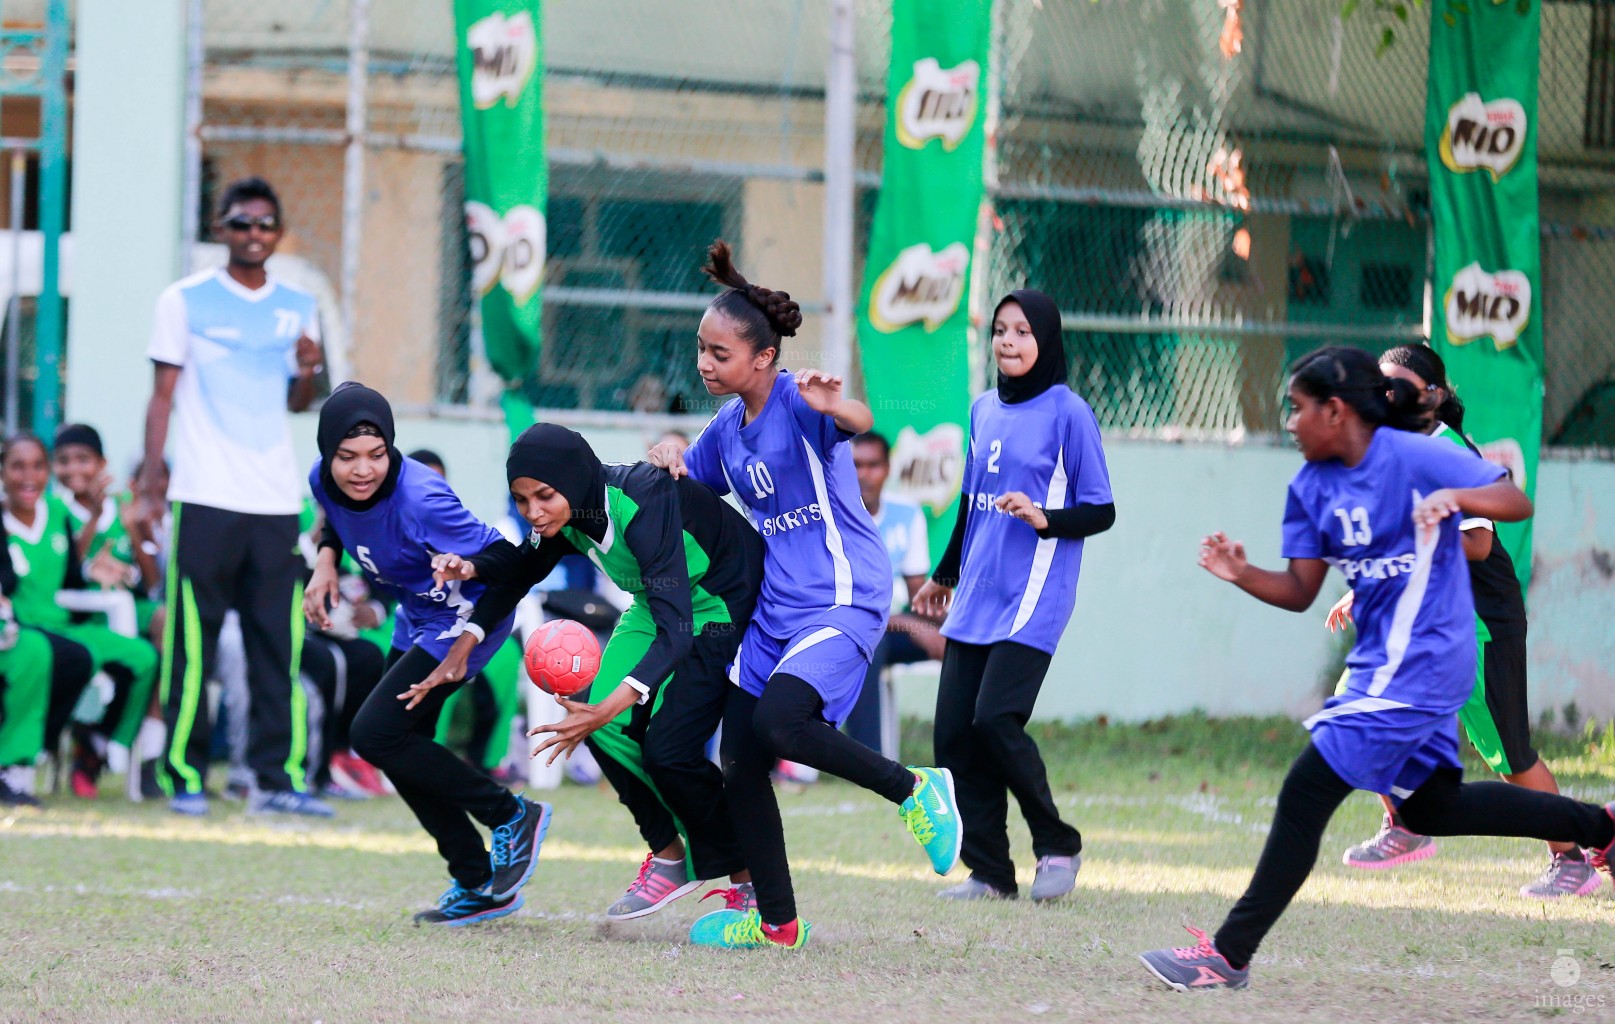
<point x="1481" y="144"/>
<point x="913" y="316"/>
<point x="501" y="66"/>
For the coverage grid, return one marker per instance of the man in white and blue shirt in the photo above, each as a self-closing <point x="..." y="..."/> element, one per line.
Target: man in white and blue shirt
<point x="233" y="349"/>
<point x="909" y="637"/>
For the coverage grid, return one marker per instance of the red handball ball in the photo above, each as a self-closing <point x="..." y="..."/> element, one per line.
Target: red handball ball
<point x="562" y="657"/>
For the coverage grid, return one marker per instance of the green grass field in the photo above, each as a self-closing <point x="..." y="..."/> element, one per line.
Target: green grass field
<point x="112" y="912"/>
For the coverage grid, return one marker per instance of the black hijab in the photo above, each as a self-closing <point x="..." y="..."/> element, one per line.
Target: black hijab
<point x="561" y="458"/>
<point x="350" y="405"/>
<point x="1050" y="368"/>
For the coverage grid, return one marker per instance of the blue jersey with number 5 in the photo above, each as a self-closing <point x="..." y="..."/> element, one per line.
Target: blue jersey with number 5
<point x="394" y="541"/>
<point x="1411" y="595"/>
<point x="791" y="468"/>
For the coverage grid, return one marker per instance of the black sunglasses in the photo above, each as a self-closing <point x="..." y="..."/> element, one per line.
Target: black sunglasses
<point x="245" y="224"/>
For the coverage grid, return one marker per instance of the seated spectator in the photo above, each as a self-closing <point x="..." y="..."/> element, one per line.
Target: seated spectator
<point x="909" y="637"/>
<point x="40" y="542"/>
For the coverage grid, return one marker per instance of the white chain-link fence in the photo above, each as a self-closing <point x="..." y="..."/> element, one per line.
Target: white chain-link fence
<point x="1208" y="188"/>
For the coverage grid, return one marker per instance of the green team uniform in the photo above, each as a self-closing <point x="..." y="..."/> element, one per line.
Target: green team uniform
<point x="112" y="537"/>
<point x="44" y="561"/>
<point x="693" y="567"/>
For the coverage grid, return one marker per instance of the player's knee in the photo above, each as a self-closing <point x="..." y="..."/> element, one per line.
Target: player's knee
<point x="777" y="727"/>
<point x="371" y="738"/>
<point x="996" y="730"/>
<point x="1425" y="812"/>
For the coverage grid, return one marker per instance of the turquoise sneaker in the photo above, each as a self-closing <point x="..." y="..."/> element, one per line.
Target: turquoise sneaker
<point x="738" y="929"/>
<point x="931" y="814"/>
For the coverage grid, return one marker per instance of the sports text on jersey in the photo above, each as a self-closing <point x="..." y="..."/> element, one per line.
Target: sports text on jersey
<point x="985" y="502"/>
<point x="802" y="516"/>
<point x="1374" y="568"/>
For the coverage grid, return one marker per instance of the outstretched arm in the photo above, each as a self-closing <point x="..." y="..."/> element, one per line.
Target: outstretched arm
<point x="1293" y="589"/>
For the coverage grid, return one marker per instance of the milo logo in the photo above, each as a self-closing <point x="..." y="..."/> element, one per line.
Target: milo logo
<point x="1479" y="304"/>
<point x="504" y="52"/>
<point x="507" y="251"/>
<point x="929" y="468"/>
<point x="938" y="103"/>
<point x="920" y="285"/>
<point x="1483" y="135"/>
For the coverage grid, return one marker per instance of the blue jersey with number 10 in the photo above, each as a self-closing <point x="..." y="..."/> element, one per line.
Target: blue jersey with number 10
<point x="394" y="542"/>
<point x="824" y="561"/>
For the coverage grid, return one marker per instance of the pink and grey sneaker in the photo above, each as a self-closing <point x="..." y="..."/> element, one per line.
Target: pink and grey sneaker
<point x="740" y="896"/>
<point x="1392" y="846"/>
<point x="1567" y="875"/>
<point x="660" y="882"/>
<point x="1600" y="859"/>
<point x="1195" y="968"/>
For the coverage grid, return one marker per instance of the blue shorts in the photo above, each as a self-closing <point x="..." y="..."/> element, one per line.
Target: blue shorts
<point x="1384" y="746"/>
<point x="435" y="637"/>
<point x="824" y="656"/>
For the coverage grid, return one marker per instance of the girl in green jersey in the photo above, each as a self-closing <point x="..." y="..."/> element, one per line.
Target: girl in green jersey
<point x="42" y="553"/>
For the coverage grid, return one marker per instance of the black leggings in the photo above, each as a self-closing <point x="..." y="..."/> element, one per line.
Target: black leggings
<point x="440" y="788"/>
<point x="983" y="703"/>
<point x="70" y="672"/>
<point x="344" y="671"/>
<point x="787" y="721"/>
<point x="1444" y="806"/>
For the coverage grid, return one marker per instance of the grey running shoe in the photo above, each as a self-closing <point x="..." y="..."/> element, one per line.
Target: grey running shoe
<point x="1055" y="877"/>
<point x="1200" y="966"/>
<point x="660" y="882"/>
<point x="974" y="889"/>
<point x="1391" y="846"/>
<point x="1565" y="876"/>
<point x="284" y="801"/>
<point x="741" y="896"/>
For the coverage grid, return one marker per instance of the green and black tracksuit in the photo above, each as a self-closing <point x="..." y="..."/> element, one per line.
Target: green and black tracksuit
<point x="693" y="566"/>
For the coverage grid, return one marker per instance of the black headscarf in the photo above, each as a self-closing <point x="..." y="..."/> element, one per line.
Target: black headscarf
<point x="350" y="405"/>
<point x="561" y="458"/>
<point x="1050" y="368"/>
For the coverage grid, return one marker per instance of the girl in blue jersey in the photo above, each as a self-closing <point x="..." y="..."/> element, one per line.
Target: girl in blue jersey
<point x="1383" y="506"/>
<point x="826" y="589"/>
<point x="392" y="515"/>
<point x="1035" y="485"/>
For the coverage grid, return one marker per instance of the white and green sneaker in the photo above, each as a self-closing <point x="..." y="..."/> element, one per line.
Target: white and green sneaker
<point x="931" y="814"/>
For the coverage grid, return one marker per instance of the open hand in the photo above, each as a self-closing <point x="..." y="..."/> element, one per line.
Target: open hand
<point x="321" y="594"/>
<point x="1439" y="505"/>
<point x="1340" y="615"/>
<point x="820" y="390"/>
<point x="932" y="600"/>
<point x="580" y="722"/>
<point x="1223" y="558"/>
<point x="450" y="670"/>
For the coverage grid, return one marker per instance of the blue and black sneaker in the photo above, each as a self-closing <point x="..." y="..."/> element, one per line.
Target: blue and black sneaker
<point x="515" y="847"/>
<point x="287" y="801"/>
<point x="459" y="906"/>
<point x="192" y="805"/>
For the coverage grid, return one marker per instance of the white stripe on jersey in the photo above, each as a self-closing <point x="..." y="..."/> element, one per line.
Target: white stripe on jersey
<point x="1407" y="606"/>
<point x="832" y="533"/>
<point x="1361" y="705"/>
<point x="1043" y="557"/>
<point x="815" y="637"/>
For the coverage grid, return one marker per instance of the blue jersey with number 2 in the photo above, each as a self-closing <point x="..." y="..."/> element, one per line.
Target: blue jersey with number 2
<point x="394" y="542"/>
<point x="825" y="563"/>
